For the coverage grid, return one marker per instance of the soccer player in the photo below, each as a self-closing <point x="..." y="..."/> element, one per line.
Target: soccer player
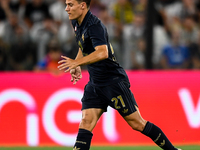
<point x="108" y="85"/>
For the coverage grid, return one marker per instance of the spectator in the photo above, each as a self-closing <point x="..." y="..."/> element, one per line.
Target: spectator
<point x="132" y="33"/>
<point x="41" y="33"/>
<point x="161" y="39"/>
<point x="4" y="12"/>
<point x="189" y="30"/>
<point x="36" y="11"/>
<point x="21" y="10"/>
<point x="14" y="30"/>
<point x="57" y="11"/>
<point x="23" y="22"/>
<point x="66" y="38"/>
<point x="109" y="5"/>
<point x="14" y="5"/>
<point x="140" y="6"/>
<point x="123" y="12"/>
<point x="50" y="62"/>
<point x="194" y="49"/>
<point x="188" y="9"/>
<point x="3" y="56"/>
<point x="21" y="57"/>
<point x="21" y="54"/>
<point x="196" y="61"/>
<point x="4" y="9"/>
<point x="96" y="6"/>
<point x="138" y="56"/>
<point x="175" y="55"/>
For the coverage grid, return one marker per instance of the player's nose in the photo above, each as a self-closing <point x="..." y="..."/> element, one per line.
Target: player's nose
<point x="67" y="8"/>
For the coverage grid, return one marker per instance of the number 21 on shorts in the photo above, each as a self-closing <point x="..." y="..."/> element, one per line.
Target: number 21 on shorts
<point x="116" y="100"/>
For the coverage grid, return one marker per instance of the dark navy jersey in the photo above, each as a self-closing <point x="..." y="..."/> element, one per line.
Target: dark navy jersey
<point x="92" y="33"/>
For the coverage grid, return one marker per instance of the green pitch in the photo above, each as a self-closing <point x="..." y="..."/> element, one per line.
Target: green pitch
<point x="99" y="148"/>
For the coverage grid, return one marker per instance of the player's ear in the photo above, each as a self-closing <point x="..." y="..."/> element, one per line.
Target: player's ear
<point x="83" y="5"/>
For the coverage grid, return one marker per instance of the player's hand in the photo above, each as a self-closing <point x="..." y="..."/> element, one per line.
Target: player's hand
<point x="67" y="64"/>
<point x="75" y="74"/>
<point x="5" y="4"/>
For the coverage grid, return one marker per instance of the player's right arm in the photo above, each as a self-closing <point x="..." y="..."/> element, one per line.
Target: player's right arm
<point x="79" y="54"/>
<point x="76" y="73"/>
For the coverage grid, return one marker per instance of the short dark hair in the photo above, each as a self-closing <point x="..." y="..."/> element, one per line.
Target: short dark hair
<point x="86" y="1"/>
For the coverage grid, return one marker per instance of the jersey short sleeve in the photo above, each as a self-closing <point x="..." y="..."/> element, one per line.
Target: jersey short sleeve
<point x="97" y="35"/>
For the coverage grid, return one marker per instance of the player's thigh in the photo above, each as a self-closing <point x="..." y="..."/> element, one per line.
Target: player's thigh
<point x="135" y="120"/>
<point x="90" y="117"/>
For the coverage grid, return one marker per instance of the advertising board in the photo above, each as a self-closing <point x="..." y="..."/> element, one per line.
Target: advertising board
<point x="39" y="109"/>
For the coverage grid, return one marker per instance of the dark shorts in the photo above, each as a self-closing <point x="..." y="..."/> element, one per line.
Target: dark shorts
<point x="117" y="96"/>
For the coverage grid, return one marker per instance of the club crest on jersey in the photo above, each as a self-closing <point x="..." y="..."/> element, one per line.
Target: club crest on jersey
<point x="83" y="38"/>
<point x="75" y="28"/>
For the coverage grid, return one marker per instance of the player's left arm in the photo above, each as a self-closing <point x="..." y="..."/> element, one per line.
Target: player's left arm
<point x="100" y="53"/>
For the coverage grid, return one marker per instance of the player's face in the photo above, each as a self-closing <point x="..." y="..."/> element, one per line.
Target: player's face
<point x="74" y="9"/>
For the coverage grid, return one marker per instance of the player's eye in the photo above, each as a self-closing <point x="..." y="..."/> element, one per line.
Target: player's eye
<point x="70" y="5"/>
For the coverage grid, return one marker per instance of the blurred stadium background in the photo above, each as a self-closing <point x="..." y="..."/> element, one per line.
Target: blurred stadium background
<point x="156" y="41"/>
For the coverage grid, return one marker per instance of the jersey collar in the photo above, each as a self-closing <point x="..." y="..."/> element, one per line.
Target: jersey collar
<point x="85" y="19"/>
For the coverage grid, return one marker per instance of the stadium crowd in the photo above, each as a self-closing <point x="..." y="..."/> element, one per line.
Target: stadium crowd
<point x="34" y="33"/>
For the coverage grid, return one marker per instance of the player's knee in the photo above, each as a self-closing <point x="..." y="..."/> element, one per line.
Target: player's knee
<point x="87" y="123"/>
<point x="138" y="127"/>
<point x="136" y="121"/>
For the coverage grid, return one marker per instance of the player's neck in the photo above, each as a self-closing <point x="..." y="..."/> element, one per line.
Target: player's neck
<point x="81" y="18"/>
